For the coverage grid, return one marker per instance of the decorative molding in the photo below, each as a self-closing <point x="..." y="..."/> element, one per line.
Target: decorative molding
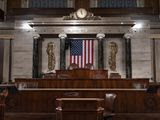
<point x="155" y="36"/>
<point x="112" y="57"/>
<point x="82" y="14"/>
<point x="62" y="36"/>
<point x="51" y="56"/>
<point x="7" y="37"/>
<point x="100" y="36"/>
<point x="82" y="29"/>
<point x="128" y="36"/>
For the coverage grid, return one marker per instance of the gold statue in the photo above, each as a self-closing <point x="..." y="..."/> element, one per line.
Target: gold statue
<point x="51" y="56"/>
<point x="112" y="57"/>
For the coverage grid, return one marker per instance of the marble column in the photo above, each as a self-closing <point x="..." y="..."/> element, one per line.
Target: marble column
<point x="36" y="57"/>
<point x="1" y="59"/>
<point x="100" y="38"/>
<point x="128" y="55"/>
<point x="62" y="37"/>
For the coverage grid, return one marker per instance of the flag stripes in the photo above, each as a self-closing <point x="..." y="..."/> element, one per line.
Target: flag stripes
<point x="82" y="52"/>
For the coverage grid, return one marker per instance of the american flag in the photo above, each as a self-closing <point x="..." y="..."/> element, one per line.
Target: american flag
<point x="82" y="52"/>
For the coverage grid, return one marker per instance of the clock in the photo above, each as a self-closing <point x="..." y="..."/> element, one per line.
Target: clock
<point x="81" y="13"/>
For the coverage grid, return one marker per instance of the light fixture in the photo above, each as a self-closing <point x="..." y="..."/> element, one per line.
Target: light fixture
<point x="138" y="26"/>
<point x="26" y="26"/>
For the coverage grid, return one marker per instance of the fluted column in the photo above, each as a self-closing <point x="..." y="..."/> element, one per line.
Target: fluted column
<point x="100" y="38"/>
<point x="62" y="37"/>
<point x="128" y="55"/>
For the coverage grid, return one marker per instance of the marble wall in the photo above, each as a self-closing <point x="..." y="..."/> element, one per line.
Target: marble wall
<point x="141" y="50"/>
<point x="6" y="60"/>
<point x="22" y="52"/>
<point x="157" y="59"/>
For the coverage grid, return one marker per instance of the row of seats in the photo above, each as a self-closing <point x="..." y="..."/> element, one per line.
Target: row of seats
<point x="75" y="66"/>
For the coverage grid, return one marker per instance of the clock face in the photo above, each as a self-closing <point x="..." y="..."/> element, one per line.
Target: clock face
<point x="81" y="13"/>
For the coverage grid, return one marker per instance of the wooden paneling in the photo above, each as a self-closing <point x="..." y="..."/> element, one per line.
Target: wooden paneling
<point x="1" y="15"/>
<point x="30" y="116"/>
<point x="79" y="108"/>
<point x="82" y="4"/>
<point x="137" y="116"/>
<point x="122" y="11"/>
<point x="28" y="103"/>
<point x="3" y="95"/>
<point x="52" y="116"/>
<point x="13" y="4"/>
<point x="153" y="4"/>
<point x="84" y="83"/>
<point x="55" y="12"/>
<point x="43" y="100"/>
<point x="1" y="59"/>
<point x="82" y="74"/>
<point x="59" y="12"/>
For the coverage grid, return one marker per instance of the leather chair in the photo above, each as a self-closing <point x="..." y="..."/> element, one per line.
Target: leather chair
<point x="88" y="66"/>
<point x="109" y="106"/>
<point x="73" y="66"/>
<point x="115" y="75"/>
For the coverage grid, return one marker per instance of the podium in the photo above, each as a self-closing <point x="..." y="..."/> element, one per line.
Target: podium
<point x="79" y="108"/>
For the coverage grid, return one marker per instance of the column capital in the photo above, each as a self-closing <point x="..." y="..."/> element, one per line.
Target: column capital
<point x="36" y="37"/>
<point x="100" y="35"/>
<point x="128" y="36"/>
<point x="62" y="35"/>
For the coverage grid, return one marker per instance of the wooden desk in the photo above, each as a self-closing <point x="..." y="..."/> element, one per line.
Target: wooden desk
<point x="79" y="109"/>
<point x="82" y="74"/>
<point x="84" y="83"/>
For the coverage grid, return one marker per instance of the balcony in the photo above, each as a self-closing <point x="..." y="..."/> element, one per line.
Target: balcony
<point x="140" y="7"/>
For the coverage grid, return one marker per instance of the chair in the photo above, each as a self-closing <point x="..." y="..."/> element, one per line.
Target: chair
<point x="88" y="66"/>
<point x="115" y="75"/>
<point x="73" y="66"/>
<point x="109" y="106"/>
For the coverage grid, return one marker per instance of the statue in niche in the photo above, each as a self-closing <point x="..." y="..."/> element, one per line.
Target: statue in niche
<point x="112" y="57"/>
<point x="51" y="56"/>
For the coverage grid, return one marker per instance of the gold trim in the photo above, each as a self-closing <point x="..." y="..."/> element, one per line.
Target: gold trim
<point x="51" y="56"/>
<point x="7" y="37"/>
<point x="155" y="36"/>
<point x="74" y="16"/>
<point x="112" y="57"/>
